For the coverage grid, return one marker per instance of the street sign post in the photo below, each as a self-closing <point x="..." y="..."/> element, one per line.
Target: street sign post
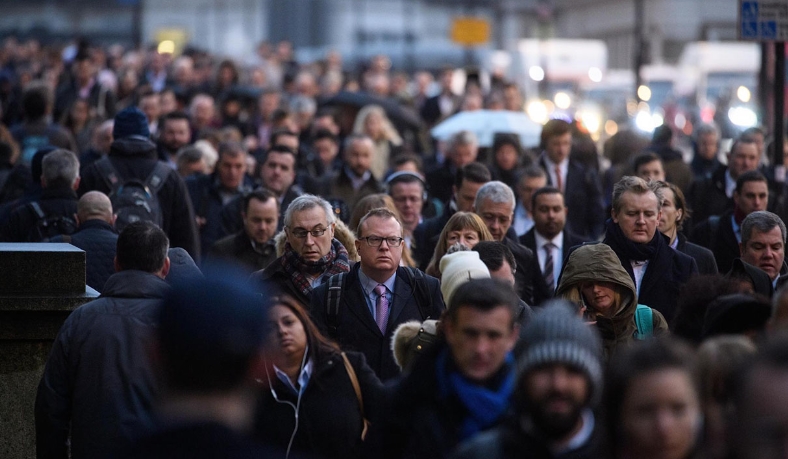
<point x="767" y="21"/>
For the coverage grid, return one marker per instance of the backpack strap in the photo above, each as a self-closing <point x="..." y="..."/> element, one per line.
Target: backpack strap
<point x="108" y="173"/>
<point x="37" y="210"/>
<point x="333" y="296"/>
<point x="157" y="177"/>
<point x="421" y="291"/>
<point x="644" y="320"/>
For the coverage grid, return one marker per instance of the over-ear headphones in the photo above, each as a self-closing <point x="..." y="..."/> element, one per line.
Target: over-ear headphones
<point x="407" y="177"/>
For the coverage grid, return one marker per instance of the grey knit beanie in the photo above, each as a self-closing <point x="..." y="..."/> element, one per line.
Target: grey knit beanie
<point x="558" y="335"/>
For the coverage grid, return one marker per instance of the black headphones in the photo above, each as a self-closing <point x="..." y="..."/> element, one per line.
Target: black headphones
<point x="397" y="177"/>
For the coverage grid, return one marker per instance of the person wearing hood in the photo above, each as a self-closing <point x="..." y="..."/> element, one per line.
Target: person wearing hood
<point x="594" y="278"/>
<point x="656" y="270"/>
<point x="134" y="157"/>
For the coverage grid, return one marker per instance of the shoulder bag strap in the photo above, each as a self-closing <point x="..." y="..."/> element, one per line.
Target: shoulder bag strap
<point x="357" y="389"/>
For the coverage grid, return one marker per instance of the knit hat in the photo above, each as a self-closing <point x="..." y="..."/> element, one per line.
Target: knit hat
<point x="130" y="122"/>
<point x="458" y="268"/>
<point x="556" y="334"/>
<point x="735" y="314"/>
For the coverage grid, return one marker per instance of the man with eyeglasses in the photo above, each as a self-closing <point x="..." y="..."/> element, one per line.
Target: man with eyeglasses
<point x="376" y="295"/>
<point x="311" y="256"/>
<point x="495" y="205"/>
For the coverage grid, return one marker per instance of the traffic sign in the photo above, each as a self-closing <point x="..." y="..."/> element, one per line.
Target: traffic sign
<point x="470" y="31"/>
<point x="763" y="20"/>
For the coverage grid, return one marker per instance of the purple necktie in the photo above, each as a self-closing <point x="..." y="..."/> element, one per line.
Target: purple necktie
<point x="381" y="308"/>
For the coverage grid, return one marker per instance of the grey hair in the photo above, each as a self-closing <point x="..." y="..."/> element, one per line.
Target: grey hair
<point x="303" y="104"/>
<point x="462" y="138"/>
<point x="635" y="185"/>
<point x="306" y="202"/>
<point x="457" y="247"/>
<point x="356" y="138"/>
<point x="706" y="128"/>
<point x="496" y="192"/>
<point x="763" y="221"/>
<point x="60" y="168"/>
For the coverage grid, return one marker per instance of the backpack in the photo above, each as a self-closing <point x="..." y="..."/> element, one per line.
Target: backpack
<point x="336" y="284"/>
<point x="132" y="200"/>
<point x="49" y="226"/>
<point x="644" y="320"/>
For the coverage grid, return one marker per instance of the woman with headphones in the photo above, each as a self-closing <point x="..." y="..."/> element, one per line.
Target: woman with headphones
<point x="317" y="399"/>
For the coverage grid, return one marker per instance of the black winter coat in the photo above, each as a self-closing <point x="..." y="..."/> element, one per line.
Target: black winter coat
<point x="329" y="416"/>
<point x="135" y="158"/>
<point x="99" y="382"/>
<point x="22" y="222"/>
<point x="99" y="240"/>
<point x="237" y="248"/>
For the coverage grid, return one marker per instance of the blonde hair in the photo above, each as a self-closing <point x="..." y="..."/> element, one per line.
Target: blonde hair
<point x="458" y="222"/>
<point x="389" y="132"/>
<point x="575" y="295"/>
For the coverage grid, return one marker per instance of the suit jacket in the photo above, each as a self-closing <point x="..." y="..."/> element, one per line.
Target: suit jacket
<point x="719" y="238"/>
<point x="232" y="221"/>
<point x="707" y="197"/>
<point x="431" y="111"/>
<point x="570" y="240"/>
<point x="583" y="197"/>
<point x="340" y="186"/>
<point x="528" y="277"/>
<point x="356" y="328"/>
<point x="666" y="272"/>
<point x="703" y="256"/>
<point x="238" y="248"/>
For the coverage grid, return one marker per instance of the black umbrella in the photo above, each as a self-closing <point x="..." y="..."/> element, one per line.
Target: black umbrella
<point x="401" y="116"/>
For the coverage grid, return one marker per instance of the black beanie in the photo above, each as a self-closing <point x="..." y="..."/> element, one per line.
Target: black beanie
<point x="130" y="122"/>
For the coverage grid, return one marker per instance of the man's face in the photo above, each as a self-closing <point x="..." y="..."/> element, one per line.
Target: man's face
<point x="754" y="196"/>
<point x="176" y="134"/>
<point x="497" y="216"/>
<point x="326" y="150"/>
<point x="466" y="195"/>
<point x="651" y="171"/>
<point x="268" y="103"/>
<point x="359" y="156"/>
<point x="556" y="395"/>
<point x="278" y="172"/>
<point x="638" y="216"/>
<point x="261" y="219"/>
<point x="231" y="170"/>
<point x="707" y="146"/>
<point x="204" y="112"/>
<point x="151" y="106"/>
<point x="745" y="158"/>
<point x="549" y="214"/>
<point x="463" y="154"/>
<point x="479" y="340"/>
<point x="526" y="189"/>
<point x="407" y="198"/>
<point x="383" y="259"/>
<point x="766" y="250"/>
<point x="309" y="247"/>
<point x="762" y="433"/>
<point x="558" y="147"/>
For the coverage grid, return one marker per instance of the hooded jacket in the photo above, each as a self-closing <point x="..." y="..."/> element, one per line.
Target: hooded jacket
<point x="598" y="262"/>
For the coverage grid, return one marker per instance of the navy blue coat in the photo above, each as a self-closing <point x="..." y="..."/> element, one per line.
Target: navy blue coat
<point x="99" y="241"/>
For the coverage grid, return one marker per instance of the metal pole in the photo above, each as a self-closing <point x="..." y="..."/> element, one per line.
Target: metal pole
<point x="639" y="57"/>
<point x="779" y="102"/>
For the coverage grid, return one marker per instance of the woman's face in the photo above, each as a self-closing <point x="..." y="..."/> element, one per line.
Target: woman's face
<point x="287" y="337"/>
<point x="670" y="215"/>
<point x="373" y="126"/>
<point x="506" y="157"/>
<point x="467" y="237"/>
<point x="600" y="296"/>
<point x="661" y="415"/>
<point x="80" y="112"/>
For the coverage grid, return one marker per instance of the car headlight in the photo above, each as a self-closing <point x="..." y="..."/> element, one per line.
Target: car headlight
<point x="742" y="116"/>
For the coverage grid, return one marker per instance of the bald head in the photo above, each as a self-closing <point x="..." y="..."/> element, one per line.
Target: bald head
<point x="95" y="205"/>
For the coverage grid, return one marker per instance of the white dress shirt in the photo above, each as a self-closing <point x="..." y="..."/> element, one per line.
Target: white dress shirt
<point x="522" y="221"/>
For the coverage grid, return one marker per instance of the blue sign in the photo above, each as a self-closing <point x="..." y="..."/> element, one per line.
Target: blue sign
<point x="763" y="20"/>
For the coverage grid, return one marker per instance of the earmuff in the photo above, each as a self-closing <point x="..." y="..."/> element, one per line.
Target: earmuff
<point x="397" y="177"/>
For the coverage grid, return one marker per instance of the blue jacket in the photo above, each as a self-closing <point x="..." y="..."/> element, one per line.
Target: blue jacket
<point x="99" y="382"/>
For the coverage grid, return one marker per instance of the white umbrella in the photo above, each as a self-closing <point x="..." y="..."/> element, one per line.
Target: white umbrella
<point x="486" y="123"/>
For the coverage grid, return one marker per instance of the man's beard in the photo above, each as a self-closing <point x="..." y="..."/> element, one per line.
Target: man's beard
<point x="555" y="425"/>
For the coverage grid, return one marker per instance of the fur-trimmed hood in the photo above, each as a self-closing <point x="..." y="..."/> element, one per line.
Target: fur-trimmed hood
<point x="403" y="340"/>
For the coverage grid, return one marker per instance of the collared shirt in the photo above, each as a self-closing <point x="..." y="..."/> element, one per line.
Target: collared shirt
<point x="368" y="286"/>
<point x="736" y="229"/>
<point x="522" y="221"/>
<point x="730" y="184"/>
<point x="639" y="269"/>
<point x="557" y="252"/>
<point x="303" y="378"/>
<point x="675" y="244"/>
<point x="355" y="181"/>
<point x="563" y="167"/>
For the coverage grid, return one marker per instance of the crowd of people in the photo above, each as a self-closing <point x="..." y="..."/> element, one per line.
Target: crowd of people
<point x="288" y="272"/>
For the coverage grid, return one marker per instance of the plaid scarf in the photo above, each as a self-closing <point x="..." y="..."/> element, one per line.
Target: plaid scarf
<point x="335" y="262"/>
